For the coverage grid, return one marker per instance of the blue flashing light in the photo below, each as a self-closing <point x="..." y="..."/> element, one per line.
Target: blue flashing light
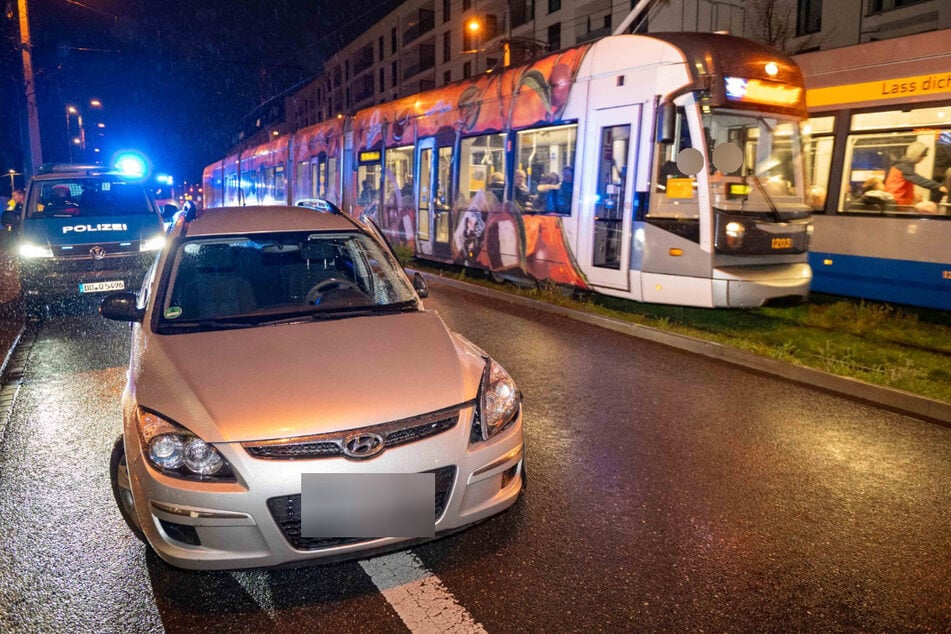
<point x="131" y="164"/>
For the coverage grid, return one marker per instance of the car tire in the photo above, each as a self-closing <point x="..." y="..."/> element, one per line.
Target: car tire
<point x="122" y="489"/>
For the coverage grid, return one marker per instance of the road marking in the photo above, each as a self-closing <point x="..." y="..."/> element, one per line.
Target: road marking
<point x="418" y="596"/>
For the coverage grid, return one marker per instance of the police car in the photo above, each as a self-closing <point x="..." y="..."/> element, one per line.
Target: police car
<point x="84" y="229"/>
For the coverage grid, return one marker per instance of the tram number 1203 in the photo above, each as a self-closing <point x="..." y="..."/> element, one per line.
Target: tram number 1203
<point x="782" y="243"/>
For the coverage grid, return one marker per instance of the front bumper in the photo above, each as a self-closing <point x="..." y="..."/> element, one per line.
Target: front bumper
<point x="57" y="277"/>
<point x="214" y="526"/>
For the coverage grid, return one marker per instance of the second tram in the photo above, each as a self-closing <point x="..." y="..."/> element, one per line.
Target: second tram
<point x="869" y="104"/>
<point x="660" y="168"/>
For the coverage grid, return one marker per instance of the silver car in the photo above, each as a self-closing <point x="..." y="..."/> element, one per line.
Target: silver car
<point x="289" y="398"/>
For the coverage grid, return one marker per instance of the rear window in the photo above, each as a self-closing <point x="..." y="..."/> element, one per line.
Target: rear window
<point x="87" y="197"/>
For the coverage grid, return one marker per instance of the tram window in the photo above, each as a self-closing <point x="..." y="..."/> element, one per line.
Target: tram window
<point x="543" y="154"/>
<point x="398" y="176"/>
<point x="330" y="181"/>
<point x="667" y="154"/>
<point x="368" y="177"/>
<point x="678" y="191"/>
<point x="817" y="141"/>
<point x="444" y="186"/>
<point x="481" y="166"/>
<point x="304" y="179"/>
<point x="425" y="191"/>
<point x="279" y="185"/>
<point x="868" y="159"/>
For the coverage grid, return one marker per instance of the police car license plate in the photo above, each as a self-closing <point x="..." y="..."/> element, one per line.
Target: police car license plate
<point x="99" y="287"/>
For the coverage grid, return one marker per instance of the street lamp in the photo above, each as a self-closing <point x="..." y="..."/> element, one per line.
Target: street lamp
<point x="13" y="173"/>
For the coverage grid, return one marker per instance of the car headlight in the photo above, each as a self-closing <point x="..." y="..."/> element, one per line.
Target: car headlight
<point x="177" y="452"/>
<point x="29" y="250"/>
<point x="499" y="402"/>
<point x="152" y="244"/>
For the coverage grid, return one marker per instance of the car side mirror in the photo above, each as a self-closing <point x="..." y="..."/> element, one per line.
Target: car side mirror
<point x="419" y="285"/>
<point x="169" y="211"/>
<point x="121" y="307"/>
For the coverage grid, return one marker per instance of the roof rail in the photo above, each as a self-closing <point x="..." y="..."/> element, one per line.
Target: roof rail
<point x="54" y="168"/>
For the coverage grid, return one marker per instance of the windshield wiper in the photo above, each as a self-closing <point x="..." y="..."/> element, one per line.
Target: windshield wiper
<point x="319" y="314"/>
<point x="206" y="324"/>
<point x="769" y="201"/>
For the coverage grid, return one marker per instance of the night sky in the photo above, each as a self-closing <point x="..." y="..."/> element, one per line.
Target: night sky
<point x="175" y="76"/>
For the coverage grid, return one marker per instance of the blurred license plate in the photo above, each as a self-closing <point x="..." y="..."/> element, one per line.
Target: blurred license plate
<point x="99" y="287"/>
<point x="368" y="505"/>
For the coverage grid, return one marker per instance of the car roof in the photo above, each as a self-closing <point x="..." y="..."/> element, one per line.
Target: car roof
<point x="264" y="219"/>
<point x="57" y="171"/>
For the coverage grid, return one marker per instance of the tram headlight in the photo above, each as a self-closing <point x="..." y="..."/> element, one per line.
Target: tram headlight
<point x="735" y="231"/>
<point x="177" y="452"/>
<point x="499" y="402"/>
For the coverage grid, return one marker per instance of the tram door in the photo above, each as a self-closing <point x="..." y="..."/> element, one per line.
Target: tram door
<point x="424" y="204"/>
<point x="607" y="191"/>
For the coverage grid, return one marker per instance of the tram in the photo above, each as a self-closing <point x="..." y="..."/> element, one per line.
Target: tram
<point x="660" y="168"/>
<point x="867" y="105"/>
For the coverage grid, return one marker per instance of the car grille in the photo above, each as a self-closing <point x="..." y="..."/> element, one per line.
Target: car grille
<point x="286" y="512"/>
<point x="329" y="445"/>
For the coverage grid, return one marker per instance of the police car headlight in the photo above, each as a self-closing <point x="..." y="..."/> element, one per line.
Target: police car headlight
<point x="152" y="244"/>
<point x="177" y="452"/>
<point x="499" y="402"/>
<point x="29" y="250"/>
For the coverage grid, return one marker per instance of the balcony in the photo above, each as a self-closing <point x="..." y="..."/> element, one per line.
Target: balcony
<point x="418" y="60"/>
<point x="362" y="59"/>
<point x="418" y="24"/>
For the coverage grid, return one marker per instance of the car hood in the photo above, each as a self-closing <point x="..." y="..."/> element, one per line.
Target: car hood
<point x="306" y="378"/>
<point x="97" y="229"/>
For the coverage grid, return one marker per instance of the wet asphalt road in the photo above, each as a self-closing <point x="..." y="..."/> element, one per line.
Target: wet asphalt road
<point x="667" y="493"/>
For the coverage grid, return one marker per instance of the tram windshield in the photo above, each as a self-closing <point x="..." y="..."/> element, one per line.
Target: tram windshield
<point x="755" y="164"/>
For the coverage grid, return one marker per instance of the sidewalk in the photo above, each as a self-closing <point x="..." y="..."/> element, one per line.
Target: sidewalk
<point x="896" y="400"/>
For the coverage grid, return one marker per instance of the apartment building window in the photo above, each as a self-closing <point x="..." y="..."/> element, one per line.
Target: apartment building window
<point x="447" y="77"/>
<point x="878" y="6"/>
<point x="467" y="70"/>
<point x="346" y="70"/>
<point x="554" y="37"/>
<point x="393" y="45"/>
<point x="466" y="5"/>
<point x="381" y="48"/>
<point x="393" y="71"/>
<point x="446" y="14"/>
<point x="382" y="80"/>
<point x="554" y="5"/>
<point x="447" y="46"/>
<point x="808" y="17"/>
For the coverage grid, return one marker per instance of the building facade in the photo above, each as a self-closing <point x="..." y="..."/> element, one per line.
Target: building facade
<point x="428" y="43"/>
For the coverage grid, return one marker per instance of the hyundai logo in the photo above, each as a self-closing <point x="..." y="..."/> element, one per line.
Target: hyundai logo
<point x="361" y="446"/>
<point x="97" y="252"/>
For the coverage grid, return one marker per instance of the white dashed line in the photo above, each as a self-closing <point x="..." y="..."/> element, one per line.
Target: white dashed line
<point x="418" y="596"/>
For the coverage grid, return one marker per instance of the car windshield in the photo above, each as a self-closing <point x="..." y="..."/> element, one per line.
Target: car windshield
<point x="87" y="197"/>
<point x="767" y="175"/>
<point x="240" y="281"/>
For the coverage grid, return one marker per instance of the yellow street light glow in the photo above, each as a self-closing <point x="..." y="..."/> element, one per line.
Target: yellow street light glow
<point x="473" y="25"/>
<point x="95" y="103"/>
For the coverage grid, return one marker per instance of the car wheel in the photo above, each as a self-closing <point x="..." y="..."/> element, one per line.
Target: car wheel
<point x="122" y="488"/>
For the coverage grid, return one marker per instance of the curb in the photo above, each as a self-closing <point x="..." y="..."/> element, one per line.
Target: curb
<point x="898" y="401"/>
